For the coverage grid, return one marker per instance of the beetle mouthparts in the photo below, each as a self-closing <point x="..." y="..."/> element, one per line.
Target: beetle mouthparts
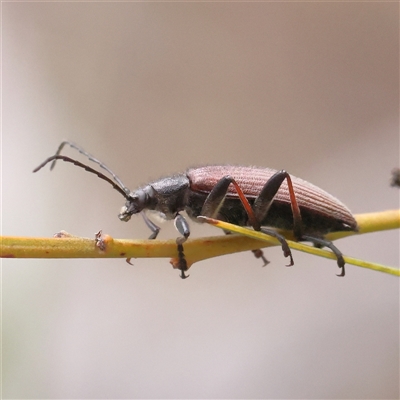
<point x="124" y="217"/>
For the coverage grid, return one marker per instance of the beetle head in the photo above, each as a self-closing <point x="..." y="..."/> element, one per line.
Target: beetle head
<point x="136" y="202"/>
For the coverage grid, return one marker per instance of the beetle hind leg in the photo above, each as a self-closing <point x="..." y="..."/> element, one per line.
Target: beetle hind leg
<point x="318" y="242"/>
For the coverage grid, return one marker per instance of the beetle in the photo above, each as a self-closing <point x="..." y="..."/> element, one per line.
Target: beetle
<point x="262" y="198"/>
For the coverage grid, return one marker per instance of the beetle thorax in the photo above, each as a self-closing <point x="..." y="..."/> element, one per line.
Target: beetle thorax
<point x="166" y="196"/>
<point x="169" y="195"/>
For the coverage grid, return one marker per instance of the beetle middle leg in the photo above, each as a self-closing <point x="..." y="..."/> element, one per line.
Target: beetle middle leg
<point x="216" y="197"/>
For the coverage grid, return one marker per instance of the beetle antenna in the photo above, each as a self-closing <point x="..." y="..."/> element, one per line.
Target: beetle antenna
<point x="91" y="158"/>
<point x="123" y="190"/>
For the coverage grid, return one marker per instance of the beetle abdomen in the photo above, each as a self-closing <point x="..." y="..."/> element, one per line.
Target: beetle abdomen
<point x="251" y="180"/>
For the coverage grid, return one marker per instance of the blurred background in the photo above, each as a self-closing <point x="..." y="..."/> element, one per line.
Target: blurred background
<point x="150" y="89"/>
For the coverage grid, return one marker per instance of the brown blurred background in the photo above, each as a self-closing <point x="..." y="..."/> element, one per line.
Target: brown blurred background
<point x="150" y="89"/>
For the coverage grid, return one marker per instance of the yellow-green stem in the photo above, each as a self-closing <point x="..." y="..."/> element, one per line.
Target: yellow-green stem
<point x="195" y="249"/>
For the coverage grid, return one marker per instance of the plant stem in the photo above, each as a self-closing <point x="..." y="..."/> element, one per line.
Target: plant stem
<point x="104" y="246"/>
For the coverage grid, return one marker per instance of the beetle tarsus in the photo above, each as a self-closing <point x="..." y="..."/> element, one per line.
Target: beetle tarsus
<point x="291" y="261"/>
<point x="151" y="225"/>
<point x="183" y="276"/>
<point x="284" y="244"/>
<point x="258" y="253"/>
<point x="318" y="242"/>
<point x="342" y="273"/>
<point x="182" y="264"/>
<point x="287" y="253"/>
<point x="340" y="262"/>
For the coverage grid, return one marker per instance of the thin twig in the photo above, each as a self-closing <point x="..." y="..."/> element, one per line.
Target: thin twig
<point x="104" y="246"/>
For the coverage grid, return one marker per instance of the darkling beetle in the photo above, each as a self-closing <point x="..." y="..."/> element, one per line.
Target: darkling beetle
<point x="244" y="196"/>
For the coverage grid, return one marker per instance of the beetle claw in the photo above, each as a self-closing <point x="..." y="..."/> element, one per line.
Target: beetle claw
<point x="266" y="262"/>
<point x="340" y="262"/>
<point x="128" y="260"/>
<point x="287" y="253"/>
<point x="291" y="260"/>
<point x="318" y="242"/>
<point x="183" y="276"/>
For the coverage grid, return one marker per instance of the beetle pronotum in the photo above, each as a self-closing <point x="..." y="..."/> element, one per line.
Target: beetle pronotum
<point x="262" y="198"/>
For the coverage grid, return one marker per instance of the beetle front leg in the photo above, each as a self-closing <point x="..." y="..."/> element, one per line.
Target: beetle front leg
<point x="155" y="229"/>
<point x="183" y="228"/>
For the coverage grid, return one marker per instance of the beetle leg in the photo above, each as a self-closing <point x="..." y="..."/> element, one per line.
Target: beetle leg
<point x="263" y="203"/>
<point x="216" y="197"/>
<point x="258" y="253"/>
<point x="151" y="225"/>
<point x="285" y="247"/>
<point x="326" y="243"/>
<point x="183" y="228"/>
<point x="182" y="264"/>
<point x="215" y="200"/>
<point x="266" y="197"/>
